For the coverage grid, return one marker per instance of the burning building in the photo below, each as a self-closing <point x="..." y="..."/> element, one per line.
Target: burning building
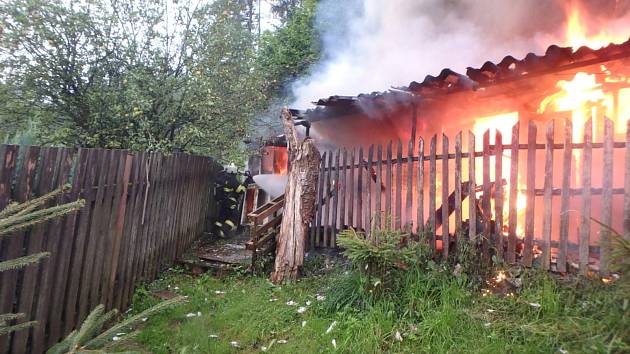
<point x="524" y="153"/>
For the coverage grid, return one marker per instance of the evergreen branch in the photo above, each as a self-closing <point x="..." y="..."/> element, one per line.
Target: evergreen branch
<point x="88" y="328"/>
<point x="22" y="262"/>
<point x="10" y="317"/>
<point x="23" y="208"/>
<point x="63" y="347"/>
<point x="12" y="224"/>
<point x="17" y="327"/>
<point x="106" y="336"/>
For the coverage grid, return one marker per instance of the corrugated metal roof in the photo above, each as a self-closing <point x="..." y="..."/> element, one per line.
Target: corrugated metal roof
<point x="556" y="58"/>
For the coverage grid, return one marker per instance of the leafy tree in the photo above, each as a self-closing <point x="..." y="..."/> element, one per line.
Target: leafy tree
<point x="140" y="74"/>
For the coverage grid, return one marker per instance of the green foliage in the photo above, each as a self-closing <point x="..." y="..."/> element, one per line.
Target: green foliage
<point x="138" y="74"/>
<point x="383" y="251"/>
<point x="430" y="309"/>
<point x="18" y="216"/>
<point x="91" y="337"/>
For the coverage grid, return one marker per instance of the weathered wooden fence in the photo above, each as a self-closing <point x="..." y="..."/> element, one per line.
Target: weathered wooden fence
<point x="142" y="211"/>
<point x="427" y="191"/>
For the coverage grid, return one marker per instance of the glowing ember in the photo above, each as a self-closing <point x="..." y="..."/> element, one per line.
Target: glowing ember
<point x="500" y="277"/>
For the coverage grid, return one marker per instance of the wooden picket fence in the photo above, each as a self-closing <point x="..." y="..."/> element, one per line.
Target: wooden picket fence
<point x="142" y="211"/>
<point x="405" y="185"/>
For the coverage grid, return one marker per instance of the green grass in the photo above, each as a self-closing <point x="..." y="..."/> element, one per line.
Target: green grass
<point x="433" y="311"/>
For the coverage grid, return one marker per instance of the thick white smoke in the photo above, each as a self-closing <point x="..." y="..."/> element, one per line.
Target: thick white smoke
<point x="371" y="45"/>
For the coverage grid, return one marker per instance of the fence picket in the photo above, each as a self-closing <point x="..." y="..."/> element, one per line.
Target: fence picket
<point x="409" y="197"/>
<point x="335" y="201"/>
<point x="368" y="191"/>
<point x="351" y="188"/>
<point x="626" y="199"/>
<point x="472" y="189"/>
<point x="399" y="165"/>
<point x="547" y="201"/>
<point x="388" y="187"/>
<point x="432" y="190"/>
<point x="585" y="224"/>
<point x="531" y="185"/>
<point x="485" y="199"/>
<point x="361" y="165"/>
<point x="458" y="187"/>
<point x="498" y="194"/>
<point x="327" y="203"/>
<point x="607" y="184"/>
<point x="513" y="198"/>
<point x="342" y="191"/>
<point x="445" y="195"/>
<point x="564" y="197"/>
<point x="379" y="183"/>
<point x="420" y="191"/>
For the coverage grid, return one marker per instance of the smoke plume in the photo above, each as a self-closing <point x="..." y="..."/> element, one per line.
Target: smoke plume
<point x="371" y="45"/>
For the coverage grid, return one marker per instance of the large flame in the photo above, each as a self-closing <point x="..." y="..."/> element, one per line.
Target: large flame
<point x="580" y="32"/>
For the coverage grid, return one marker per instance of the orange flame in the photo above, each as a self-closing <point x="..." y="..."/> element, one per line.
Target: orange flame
<point x="578" y="31"/>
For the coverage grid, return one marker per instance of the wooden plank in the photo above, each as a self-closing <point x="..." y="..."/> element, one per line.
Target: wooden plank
<point x="137" y="193"/>
<point x="368" y="192"/>
<point x="420" y="191"/>
<point x="343" y="191"/>
<point x="458" y="187"/>
<point x="626" y="198"/>
<point x="409" y="198"/>
<point x="34" y="244"/>
<point x="13" y="245"/>
<point x="498" y="193"/>
<point x="95" y="228"/>
<point x="360" y="189"/>
<point x="531" y="180"/>
<point x="388" y="187"/>
<point x="327" y="228"/>
<point x="513" y="198"/>
<point x="119" y="228"/>
<point x="607" y="184"/>
<point x="399" y="164"/>
<point x="432" y="190"/>
<point x="379" y="183"/>
<point x="335" y="202"/>
<point x="472" y="187"/>
<point x="564" y="198"/>
<point x="485" y="199"/>
<point x="547" y="200"/>
<point x="54" y="264"/>
<point x="8" y="157"/>
<point x="318" y="234"/>
<point x="70" y="241"/>
<point x="351" y="189"/>
<point x="445" y="193"/>
<point x="585" y="224"/>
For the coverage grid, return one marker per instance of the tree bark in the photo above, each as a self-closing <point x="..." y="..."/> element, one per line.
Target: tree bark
<point x="299" y="203"/>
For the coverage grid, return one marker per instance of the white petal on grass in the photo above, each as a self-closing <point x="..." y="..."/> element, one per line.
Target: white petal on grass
<point x="330" y="328"/>
<point x="213" y="336"/>
<point x="219" y="292"/>
<point x="487" y="324"/>
<point x="263" y="348"/>
<point x="273" y="299"/>
<point x="192" y="314"/>
<point x="281" y="341"/>
<point x="398" y="337"/>
<point x="490" y="310"/>
<point x="234" y="344"/>
<point x="320" y="297"/>
<point x="308" y="303"/>
<point x="302" y="309"/>
<point x="115" y="338"/>
<point x="334" y="343"/>
<point x="534" y="304"/>
<point x="303" y="323"/>
<point x="291" y="303"/>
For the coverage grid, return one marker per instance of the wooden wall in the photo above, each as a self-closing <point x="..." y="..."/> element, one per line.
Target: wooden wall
<point x="142" y="211"/>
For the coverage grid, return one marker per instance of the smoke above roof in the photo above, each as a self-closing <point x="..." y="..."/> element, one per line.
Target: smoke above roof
<point x="372" y="45"/>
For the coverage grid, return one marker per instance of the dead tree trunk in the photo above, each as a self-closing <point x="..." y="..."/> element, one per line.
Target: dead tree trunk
<point x="299" y="203"/>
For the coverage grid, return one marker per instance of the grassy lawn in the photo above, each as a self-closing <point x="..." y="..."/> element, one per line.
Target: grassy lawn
<point x="424" y="311"/>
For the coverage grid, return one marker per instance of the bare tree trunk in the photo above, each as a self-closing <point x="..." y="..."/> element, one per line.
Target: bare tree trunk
<point x="299" y="203"/>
